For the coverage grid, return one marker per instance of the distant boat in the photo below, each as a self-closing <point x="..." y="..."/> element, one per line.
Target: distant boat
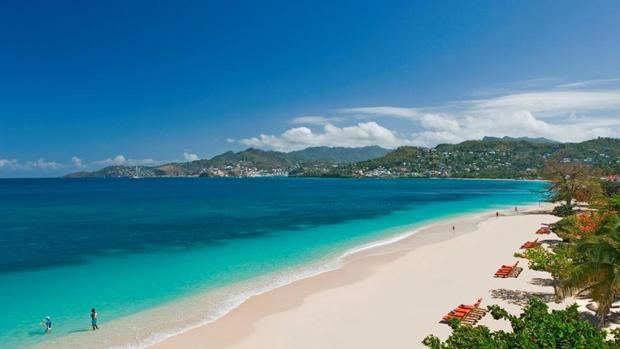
<point x="137" y="175"/>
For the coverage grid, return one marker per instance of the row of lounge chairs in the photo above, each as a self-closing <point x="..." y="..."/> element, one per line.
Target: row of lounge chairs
<point x="471" y="314"/>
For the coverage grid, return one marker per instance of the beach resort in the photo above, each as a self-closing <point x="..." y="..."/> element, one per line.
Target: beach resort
<point x="310" y="174"/>
<point x="418" y="286"/>
<point x="396" y="295"/>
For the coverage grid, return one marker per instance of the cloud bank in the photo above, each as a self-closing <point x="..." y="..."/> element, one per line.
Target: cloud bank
<point x="75" y="163"/>
<point x="362" y="134"/>
<point x="569" y="113"/>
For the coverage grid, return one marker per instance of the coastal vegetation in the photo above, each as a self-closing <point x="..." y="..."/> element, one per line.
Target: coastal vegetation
<point x="556" y="261"/>
<point x="585" y="263"/>
<point x="534" y="328"/>
<point x="486" y="158"/>
<point x="570" y="183"/>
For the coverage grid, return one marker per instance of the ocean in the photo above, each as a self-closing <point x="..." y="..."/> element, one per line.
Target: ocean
<point x="158" y="256"/>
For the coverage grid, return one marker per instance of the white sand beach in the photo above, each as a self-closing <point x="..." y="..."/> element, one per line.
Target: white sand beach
<point x="391" y="297"/>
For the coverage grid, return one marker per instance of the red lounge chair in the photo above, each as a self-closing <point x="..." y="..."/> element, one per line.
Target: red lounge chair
<point x="530" y="244"/>
<point x="508" y="271"/>
<point x="543" y="231"/>
<point x="467" y="314"/>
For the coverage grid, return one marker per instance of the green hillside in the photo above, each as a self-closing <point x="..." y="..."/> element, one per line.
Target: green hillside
<point x="487" y="158"/>
<point x="234" y="163"/>
<point x="337" y="154"/>
<point x="491" y="158"/>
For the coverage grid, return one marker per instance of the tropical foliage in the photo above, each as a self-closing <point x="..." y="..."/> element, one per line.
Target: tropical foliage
<point x="586" y="262"/>
<point x="598" y="271"/>
<point x="592" y="238"/>
<point x="535" y="328"/>
<point x="571" y="183"/>
<point x="556" y="261"/>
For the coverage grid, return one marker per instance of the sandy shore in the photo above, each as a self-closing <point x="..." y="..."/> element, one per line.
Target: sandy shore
<point x="388" y="297"/>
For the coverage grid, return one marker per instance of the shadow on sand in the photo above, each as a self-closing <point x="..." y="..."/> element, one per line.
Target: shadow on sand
<point x="81" y="330"/>
<point x="520" y="298"/>
<point x="542" y="282"/>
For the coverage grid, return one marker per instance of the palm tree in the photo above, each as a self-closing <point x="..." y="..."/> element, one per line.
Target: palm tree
<point x="598" y="271"/>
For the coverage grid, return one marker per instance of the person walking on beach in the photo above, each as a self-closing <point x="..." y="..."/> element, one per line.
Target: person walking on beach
<point x="496" y="213"/>
<point x="47" y="322"/>
<point x="93" y="319"/>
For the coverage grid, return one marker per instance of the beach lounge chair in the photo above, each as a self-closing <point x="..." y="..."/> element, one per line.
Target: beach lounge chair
<point x="506" y="271"/>
<point x="543" y="231"/>
<point x="530" y="244"/>
<point x="467" y="314"/>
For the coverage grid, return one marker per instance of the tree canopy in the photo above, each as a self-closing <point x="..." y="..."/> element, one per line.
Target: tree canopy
<point x="535" y="328"/>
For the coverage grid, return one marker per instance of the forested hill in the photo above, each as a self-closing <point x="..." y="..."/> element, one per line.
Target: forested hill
<point x="487" y="158"/>
<point x="246" y="162"/>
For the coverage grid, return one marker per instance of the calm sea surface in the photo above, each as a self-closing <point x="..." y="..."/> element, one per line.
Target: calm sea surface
<point x="125" y="246"/>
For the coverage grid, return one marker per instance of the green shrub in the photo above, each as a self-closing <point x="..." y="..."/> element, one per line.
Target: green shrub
<point x="562" y="211"/>
<point x="535" y="328"/>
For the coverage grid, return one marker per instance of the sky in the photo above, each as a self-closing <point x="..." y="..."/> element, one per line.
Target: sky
<point x="86" y="84"/>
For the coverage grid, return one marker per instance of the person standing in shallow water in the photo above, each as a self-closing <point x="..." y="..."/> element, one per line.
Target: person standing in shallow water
<point x="47" y="322"/>
<point x="93" y="319"/>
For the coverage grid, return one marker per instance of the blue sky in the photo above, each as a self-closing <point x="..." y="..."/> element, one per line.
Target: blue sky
<point x="88" y="84"/>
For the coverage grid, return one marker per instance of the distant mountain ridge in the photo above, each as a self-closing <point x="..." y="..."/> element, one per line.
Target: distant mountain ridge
<point x="254" y="158"/>
<point x="526" y="139"/>
<point x="490" y="157"/>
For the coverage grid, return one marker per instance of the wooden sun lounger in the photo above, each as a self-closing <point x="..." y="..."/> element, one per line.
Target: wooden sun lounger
<point x="543" y="230"/>
<point x="467" y="314"/>
<point x="514" y="273"/>
<point x="530" y="244"/>
<point x="507" y="271"/>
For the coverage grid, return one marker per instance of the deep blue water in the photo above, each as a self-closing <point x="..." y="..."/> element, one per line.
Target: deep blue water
<point x="84" y="242"/>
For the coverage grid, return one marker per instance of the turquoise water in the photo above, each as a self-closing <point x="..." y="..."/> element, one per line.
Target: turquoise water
<point x="124" y="246"/>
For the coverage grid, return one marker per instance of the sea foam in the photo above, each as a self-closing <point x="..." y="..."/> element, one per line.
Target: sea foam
<point x="267" y="283"/>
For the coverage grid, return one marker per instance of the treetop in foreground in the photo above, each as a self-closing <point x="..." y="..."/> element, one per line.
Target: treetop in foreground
<point x="535" y="328"/>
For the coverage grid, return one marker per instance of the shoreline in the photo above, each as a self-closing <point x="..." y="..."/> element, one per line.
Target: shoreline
<point x="395" y="245"/>
<point x="357" y="265"/>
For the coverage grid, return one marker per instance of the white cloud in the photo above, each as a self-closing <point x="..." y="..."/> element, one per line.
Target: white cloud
<point x="411" y="113"/>
<point x="589" y="83"/>
<point x="314" y="120"/>
<point x="190" y="156"/>
<point x="121" y="160"/>
<point x="43" y="164"/>
<point x="230" y="140"/>
<point x="439" y="122"/>
<point x="116" y="161"/>
<point x="516" y="124"/>
<point x="77" y="162"/>
<point x="8" y="163"/>
<point x="362" y="134"/>
<point x="549" y="103"/>
<point x="570" y="113"/>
